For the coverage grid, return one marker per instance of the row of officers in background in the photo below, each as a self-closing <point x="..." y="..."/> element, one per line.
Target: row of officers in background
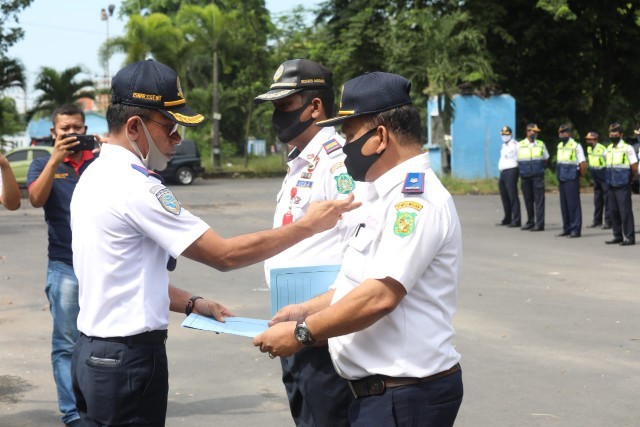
<point x="612" y="167"/>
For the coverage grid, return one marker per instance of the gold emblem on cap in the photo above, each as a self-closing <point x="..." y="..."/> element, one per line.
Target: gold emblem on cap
<point x="180" y="95"/>
<point x="278" y="73"/>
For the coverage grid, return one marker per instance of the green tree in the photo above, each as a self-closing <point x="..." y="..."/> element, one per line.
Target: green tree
<point x="439" y="51"/>
<point x="11" y="75"/>
<point x="564" y="60"/>
<point x="59" y="88"/>
<point x="9" y="35"/>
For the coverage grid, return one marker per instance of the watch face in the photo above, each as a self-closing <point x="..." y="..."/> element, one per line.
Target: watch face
<point x="302" y="334"/>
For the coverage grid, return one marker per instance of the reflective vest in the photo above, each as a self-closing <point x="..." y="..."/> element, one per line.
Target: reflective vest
<point x="597" y="162"/>
<point x="531" y="158"/>
<point x="617" y="163"/>
<point x="567" y="161"/>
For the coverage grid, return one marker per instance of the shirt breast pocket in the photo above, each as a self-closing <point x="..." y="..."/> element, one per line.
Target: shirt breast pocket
<point x="355" y="258"/>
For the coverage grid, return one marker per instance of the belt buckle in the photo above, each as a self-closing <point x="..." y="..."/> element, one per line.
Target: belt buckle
<point x="376" y="387"/>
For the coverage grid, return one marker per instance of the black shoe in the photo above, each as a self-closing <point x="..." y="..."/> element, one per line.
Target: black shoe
<point x="606" y="227"/>
<point x="526" y="227"/>
<point x="74" y="423"/>
<point x="503" y="223"/>
<point x="537" y="229"/>
<point x="594" y="225"/>
<point x="628" y="242"/>
<point x="614" y="241"/>
<point x="573" y="235"/>
<point x="514" y="225"/>
<point x="564" y="233"/>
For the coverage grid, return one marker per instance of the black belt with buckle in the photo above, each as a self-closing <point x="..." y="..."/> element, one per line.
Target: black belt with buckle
<point x="377" y="384"/>
<point x="151" y="337"/>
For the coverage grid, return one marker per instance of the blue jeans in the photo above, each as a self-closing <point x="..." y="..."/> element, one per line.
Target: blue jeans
<point x="62" y="292"/>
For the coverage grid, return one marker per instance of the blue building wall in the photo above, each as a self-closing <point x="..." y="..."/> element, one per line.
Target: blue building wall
<point x="475" y="133"/>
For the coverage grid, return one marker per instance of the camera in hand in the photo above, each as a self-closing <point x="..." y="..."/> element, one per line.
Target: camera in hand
<point x="87" y="142"/>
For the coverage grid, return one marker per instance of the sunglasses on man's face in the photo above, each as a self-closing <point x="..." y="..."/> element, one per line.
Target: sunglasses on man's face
<point x="172" y="127"/>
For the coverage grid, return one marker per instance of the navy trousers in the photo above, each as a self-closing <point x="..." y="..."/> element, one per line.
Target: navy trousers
<point x="508" y="185"/>
<point x="318" y="396"/>
<point x="621" y="213"/>
<point x="429" y="404"/>
<point x="533" y="194"/>
<point x="570" y="206"/>
<point x="117" y="384"/>
<point x="600" y="202"/>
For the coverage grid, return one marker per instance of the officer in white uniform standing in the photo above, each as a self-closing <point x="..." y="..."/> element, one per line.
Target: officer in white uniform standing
<point x="128" y="229"/>
<point x="389" y="320"/>
<point x="302" y="95"/>
<point x="508" y="182"/>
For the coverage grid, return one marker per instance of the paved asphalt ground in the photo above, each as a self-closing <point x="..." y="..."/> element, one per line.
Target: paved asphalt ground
<point x="548" y="327"/>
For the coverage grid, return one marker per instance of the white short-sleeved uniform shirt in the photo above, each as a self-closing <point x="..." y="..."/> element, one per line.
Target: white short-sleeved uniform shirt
<point x="416" y="240"/>
<point x="125" y="224"/>
<point x="508" y="155"/>
<point x="317" y="173"/>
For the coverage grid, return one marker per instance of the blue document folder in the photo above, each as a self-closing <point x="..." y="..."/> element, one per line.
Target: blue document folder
<point x="242" y="326"/>
<point x="299" y="284"/>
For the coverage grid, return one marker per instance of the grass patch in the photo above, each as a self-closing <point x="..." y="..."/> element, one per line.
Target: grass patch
<point x="258" y="166"/>
<point x="459" y="186"/>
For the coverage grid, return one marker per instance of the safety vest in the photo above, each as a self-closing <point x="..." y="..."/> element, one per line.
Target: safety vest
<point x="597" y="164"/>
<point x="618" y="166"/>
<point x="567" y="160"/>
<point x="531" y="158"/>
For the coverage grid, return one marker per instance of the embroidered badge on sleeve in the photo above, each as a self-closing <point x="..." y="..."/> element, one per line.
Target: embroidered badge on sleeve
<point x="166" y="199"/>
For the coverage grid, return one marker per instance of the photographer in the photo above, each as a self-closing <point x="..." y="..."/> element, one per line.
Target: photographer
<point x="51" y="182"/>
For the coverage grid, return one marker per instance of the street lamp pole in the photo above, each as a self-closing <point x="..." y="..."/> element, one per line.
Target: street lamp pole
<point x="105" y="14"/>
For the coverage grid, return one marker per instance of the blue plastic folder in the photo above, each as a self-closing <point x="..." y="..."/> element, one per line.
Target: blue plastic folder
<point x="299" y="284"/>
<point x="242" y="326"/>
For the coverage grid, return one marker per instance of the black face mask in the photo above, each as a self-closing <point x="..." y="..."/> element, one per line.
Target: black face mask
<point x="564" y="138"/>
<point x="287" y="123"/>
<point x="615" y="139"/>
<point x="356" y="163"/>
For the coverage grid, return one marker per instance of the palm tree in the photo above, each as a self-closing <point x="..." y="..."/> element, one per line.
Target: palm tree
<point x="11" y="75"/>
<point x="60" y="88"/>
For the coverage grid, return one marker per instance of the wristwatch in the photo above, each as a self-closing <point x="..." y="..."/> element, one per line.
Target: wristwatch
<point x="303" y="334"/>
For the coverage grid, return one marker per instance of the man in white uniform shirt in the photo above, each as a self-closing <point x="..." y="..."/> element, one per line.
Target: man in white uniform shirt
<point x="302" y="95"/>
<point x="389" y="319"/>
<point x="508" y="182"/>
<point x="128" y="229"/>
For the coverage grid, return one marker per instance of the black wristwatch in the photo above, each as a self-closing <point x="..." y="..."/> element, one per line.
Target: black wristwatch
<point x="303" y="334"/>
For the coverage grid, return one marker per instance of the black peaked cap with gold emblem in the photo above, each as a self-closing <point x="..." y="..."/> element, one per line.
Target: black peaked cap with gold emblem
<point x="294" y="76"/>
<point x="153" y="85"/>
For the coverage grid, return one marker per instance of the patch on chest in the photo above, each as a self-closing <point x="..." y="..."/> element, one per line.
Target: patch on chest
<point x="405" y="223"/>
<point x="344" y="183"/>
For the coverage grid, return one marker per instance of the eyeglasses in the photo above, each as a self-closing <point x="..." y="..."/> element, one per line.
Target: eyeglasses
<point x="173" y="127"/>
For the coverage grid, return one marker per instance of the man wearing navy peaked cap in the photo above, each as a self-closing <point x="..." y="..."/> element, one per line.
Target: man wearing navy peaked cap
<point x="302" y="95"/>
<point x="128" y="230"/>
<point x="399" y="276"/>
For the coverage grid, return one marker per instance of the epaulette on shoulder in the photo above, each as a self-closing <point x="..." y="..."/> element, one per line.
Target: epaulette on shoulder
<point x="332" y="147"/>
<point x="413" y="183"/>
<point x="147" y="172"/>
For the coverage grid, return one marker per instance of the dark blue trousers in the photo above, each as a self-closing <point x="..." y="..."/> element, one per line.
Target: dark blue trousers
<point x="570" y="206"/>
<point x="533" y="194"/>
<point x="508" y="185"/>
<point x="318" y="396"/>
<point x="600" y="202"/>
<point x="117" y="384"/>
<point x="621" y="213"/>
<point x="429" y="404"/>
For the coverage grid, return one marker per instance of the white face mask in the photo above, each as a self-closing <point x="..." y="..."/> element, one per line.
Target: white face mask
<point x="154" y="160"/>
<point x="505" y="138"/>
